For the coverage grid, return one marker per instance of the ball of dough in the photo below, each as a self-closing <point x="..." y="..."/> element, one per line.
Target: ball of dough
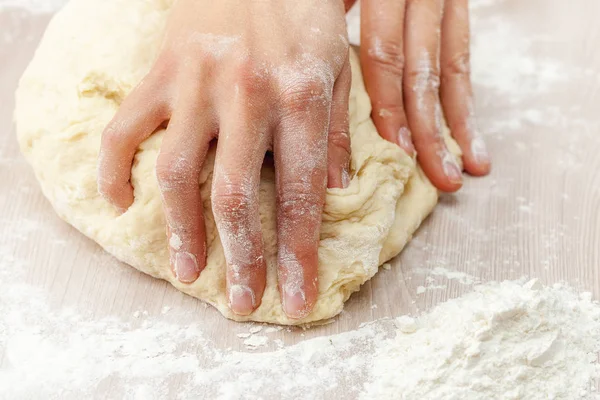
<point x="91" y="56"/>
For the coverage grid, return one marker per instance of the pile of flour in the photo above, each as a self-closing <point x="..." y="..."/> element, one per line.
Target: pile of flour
<point x="503" y="341"/>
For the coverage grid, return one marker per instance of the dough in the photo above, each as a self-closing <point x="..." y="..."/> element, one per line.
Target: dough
<point x="92" y="55"/>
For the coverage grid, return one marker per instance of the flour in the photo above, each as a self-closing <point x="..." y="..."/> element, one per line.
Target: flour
<point x="450" y="275"/>
<point x="34" y="6"/>
<point x="516" y="339"/>
<point x="517" y="73"/>
<point x="255" y="329"/>
<point x="511" y="338"/>
<point x="255" y="341"/>
<point x="502" y="341"/>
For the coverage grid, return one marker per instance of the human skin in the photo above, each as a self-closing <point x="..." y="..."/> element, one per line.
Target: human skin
<point x="275" y="75"/>
<point x="415" y="60"/>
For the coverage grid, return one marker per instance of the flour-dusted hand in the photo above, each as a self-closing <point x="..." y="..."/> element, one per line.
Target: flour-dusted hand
<point x="256" y="75"/>
<point x="413" y="53"/>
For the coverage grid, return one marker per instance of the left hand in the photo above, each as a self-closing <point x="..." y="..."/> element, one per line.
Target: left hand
<point x="414" y="54"/>
<point x="256" y="75"/>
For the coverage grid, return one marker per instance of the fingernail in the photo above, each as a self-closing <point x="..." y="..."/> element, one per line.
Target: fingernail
<point x="451" y="169"/>
<point x="186" y="267"/>
<point x="404" y="141"/>
<point x="241" y="299"/>
<point x="345" y="178"/>
<point x="479" y="151"/>
<point x="294" y="305"/>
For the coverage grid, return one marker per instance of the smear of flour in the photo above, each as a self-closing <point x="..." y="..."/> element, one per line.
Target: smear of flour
<point x="517" y="72"/>
<point x="511" y="67"/>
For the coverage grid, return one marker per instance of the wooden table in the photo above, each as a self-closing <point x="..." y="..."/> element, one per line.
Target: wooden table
<point x="537" y="82"/>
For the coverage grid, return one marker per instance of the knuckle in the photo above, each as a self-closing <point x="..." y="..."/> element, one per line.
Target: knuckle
<point x="298" y="199"/>
<point x="385" y="109"/>
<point x="174" y="173"/>
<point x="250" y="83"/>
<point x="232" y="201"/>
<point x="108" y="188"/>
<point x="163" y="67"/>
<point x="340" y="139"/>
<point x="113" y="136"/>
<point x="302" y="96"/>
<point x="423" y="76"/>
<point x="458" y="64"/>
<point x="116" y="141"/>
<point x="243" y="268"/>
<point x="386" y="55"/>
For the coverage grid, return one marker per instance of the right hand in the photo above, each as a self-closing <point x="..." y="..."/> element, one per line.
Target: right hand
<point x="256" y="75"/>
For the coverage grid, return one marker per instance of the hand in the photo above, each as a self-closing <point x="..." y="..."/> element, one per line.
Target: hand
<point x="257" y="75"/>
<point x="413" y="53"/>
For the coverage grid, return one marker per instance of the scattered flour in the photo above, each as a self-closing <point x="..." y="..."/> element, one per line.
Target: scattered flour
<point x="423" y="289"/>
<point x="35" y="6"/>
<point x="256" y="341"/>
<point x="503" y="339"/>
<point x="255" y="329"/>
<point x="461" y="277"/>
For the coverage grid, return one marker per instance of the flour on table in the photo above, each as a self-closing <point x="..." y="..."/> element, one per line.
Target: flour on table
<point x="255" y="341"/>
<point x="255" y="329"/>
<point x="508" y="340"/>
<point x="442" y="272"/>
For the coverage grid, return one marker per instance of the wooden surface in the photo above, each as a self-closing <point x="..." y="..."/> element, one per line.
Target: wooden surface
<point x="537" y="215"/>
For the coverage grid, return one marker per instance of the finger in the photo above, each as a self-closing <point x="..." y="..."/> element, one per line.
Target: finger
<point x="422" y="81"/>
<point x="178" y="167"/>
<point x="338" y="150"/>
<point x="300" y="148"/>
<point x="456" y="90"/>
<point x="382" y="59"/>
<point x="235" y="194"/>
<point x="137" y="118"/>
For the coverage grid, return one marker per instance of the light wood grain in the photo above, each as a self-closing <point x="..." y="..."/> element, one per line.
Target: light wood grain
<point x="537" y="215"/>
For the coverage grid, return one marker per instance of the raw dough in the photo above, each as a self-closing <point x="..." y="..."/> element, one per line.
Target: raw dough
<point x="92" y="55"/>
